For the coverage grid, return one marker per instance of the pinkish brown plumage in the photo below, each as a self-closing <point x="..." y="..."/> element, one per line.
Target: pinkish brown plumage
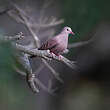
<point x="58" y="43"/>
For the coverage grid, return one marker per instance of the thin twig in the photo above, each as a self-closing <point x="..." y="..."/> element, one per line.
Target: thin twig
<point x="21" y="12"/>
<point x="38" y="82"/>
<point x="79" y="44"/>
<point x="51" y="24"/>
<point x="31" y="82"/>
<point x="56" y="74"/>
<point x="13" y="14"/>
<point x="19" y="71"/>
<point x="12" y="38"/>
<point x="4" y="10"/>
<point x="37" y="72"/>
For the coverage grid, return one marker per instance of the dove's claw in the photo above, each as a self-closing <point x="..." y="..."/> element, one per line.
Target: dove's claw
<point x="53" y="54"/>
<point x="60" y="57"/>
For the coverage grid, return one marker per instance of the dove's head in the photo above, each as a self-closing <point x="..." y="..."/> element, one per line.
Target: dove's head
<point x="67" y="30"/>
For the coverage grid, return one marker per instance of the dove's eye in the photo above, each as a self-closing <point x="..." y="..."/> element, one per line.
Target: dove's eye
<point x="67" y="29"/>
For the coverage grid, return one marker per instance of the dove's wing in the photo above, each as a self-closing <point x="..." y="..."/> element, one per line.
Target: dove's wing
<point x="50" y="44"/>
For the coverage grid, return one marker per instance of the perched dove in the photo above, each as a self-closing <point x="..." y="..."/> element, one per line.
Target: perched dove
<point x="58" y="44"/>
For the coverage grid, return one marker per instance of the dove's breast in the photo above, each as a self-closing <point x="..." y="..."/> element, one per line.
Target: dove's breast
<point x="61" y="46"/>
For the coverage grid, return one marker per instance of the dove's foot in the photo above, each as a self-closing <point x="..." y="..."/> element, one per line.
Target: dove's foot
<point x="53" y="55"/>
<point x="60" y="57"/>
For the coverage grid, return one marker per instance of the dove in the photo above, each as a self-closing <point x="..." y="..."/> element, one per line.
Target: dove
<point x="57" y="44"/>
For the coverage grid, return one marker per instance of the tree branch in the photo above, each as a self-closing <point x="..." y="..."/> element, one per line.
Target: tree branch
<point x="49" y="24"/>
<point x="22" y="15"/>
<point x="12" y="38"/>
<point x="46" y="55"/>
<point x="37" y="72"/>
<point x="39" y="83"/>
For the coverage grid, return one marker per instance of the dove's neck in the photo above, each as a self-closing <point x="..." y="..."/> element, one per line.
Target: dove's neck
<point x="64" y="34"/>
<point x="64" y="37"/>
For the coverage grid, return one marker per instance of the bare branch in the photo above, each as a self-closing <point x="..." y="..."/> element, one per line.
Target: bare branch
<point x="19" y="71"/>
<point x="38" y="82"/>
<point x="50" y="86"/>
<point x="37" y="72"/>
<point x="71" y="64"/>
<point x="79" y="44"/>
<point x="22" y="59"/>
<point x="15" y="16"/>
<point x="56" y="74"/>
<point x="49" y="24"/>
<point x="31" y="82"/>
<point x="21" y="13"/>
<point x="4" y="10"/>
<point x="12" y="38"/>
<point x="46" y="55"/>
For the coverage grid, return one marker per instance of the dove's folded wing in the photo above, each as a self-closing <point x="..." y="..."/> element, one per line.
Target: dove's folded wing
<point x="48" y="45"/>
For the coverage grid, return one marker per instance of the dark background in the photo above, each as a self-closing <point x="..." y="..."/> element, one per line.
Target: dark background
<point x="86" y="88"/>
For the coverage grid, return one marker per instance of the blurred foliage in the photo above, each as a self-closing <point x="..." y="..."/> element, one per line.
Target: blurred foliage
<point x="87" y="96"/>
<point x="13" y="90"/>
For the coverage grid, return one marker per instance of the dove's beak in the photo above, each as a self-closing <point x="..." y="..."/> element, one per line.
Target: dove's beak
<point x="72" y="33"/>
